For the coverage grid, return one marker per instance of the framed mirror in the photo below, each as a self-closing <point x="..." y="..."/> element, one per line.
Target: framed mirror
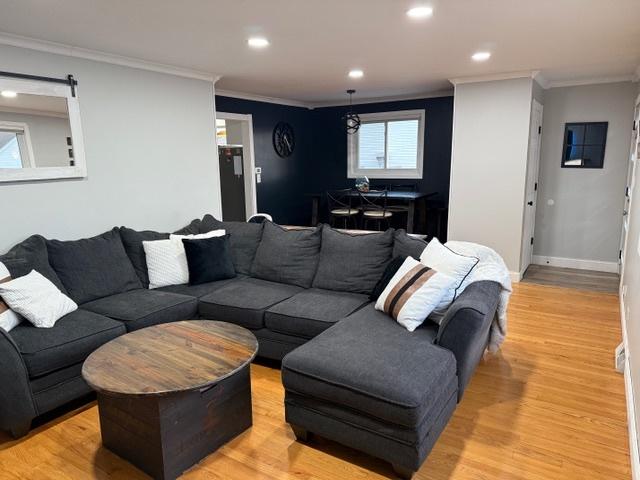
<point x="40" y="129"/>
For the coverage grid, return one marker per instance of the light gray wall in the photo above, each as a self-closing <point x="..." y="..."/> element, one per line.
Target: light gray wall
<point x="631" y="283"/>
<point x="234" y="132"/>
<point x="48" y="137"/>
<point x="150" y="150"/>
<point x="585" y="218"/>
<point x="489" y="165"/>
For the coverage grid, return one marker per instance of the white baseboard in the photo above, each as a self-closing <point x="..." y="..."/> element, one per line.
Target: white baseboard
<point x="595" y="265"/>
<point x="634" y="450"/>
<point x="515" y="276"/>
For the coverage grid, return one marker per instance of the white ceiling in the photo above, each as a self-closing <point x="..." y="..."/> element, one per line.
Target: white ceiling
<point x="315" y="43"/>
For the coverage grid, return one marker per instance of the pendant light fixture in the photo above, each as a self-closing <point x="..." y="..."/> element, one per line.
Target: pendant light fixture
<point x="351" y="119"/>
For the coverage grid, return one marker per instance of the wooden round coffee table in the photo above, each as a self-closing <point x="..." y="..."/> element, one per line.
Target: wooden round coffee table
<point x="170" y="394"/>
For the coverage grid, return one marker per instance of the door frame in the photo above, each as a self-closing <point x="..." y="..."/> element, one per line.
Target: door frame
<point x="634" y="156"/>
<point x="531" y="163"/>
<point x="249" y="159"/>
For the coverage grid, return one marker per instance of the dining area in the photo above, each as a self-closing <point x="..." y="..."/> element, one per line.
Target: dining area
<point x="378" y="207"/>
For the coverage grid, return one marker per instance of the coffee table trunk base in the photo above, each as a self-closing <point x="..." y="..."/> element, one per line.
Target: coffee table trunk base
<point x="164" y="435"/>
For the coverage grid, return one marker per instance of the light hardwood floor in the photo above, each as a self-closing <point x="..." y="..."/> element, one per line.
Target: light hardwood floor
<point x="549" y="406"/>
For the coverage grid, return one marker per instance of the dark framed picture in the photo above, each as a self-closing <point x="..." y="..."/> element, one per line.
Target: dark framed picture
<point x="584" y="144"/>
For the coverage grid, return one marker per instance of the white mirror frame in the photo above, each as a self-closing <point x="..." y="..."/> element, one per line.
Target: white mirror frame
<point x="37" y="87"/>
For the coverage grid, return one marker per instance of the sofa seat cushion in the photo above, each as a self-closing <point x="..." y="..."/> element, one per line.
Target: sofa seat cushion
<point x="67" y="343"/>
<point x="143" y="308"/>
<point x="369" y="363"/>
<point x="312" y="311"/>
<point x="244" y="301"/>
<point x="199" y="290"/>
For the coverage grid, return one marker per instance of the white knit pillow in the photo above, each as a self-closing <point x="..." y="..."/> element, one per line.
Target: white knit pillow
<point x="167" y="260"/>
<point x="413" y="293"/>
<point x="8" y="318"/>
<point x="36" y="299"/>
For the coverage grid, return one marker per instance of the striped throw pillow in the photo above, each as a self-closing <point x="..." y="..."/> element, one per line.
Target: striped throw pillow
<point x="413" y="293"/>
<point x="8" y="318"/>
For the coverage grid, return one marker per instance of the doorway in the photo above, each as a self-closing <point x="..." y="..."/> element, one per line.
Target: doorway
<point x="236" y="157"/>
<point x="531" y="191"/>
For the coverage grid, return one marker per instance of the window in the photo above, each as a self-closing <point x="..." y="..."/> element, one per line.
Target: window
<point x="14" y="149"/>
<point x="387" y="145"/>
<point x="584" y="145"/>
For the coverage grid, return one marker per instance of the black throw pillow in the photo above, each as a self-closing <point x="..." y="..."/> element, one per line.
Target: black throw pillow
<point x="393" y="266"/>
<point x="209" y="259"/>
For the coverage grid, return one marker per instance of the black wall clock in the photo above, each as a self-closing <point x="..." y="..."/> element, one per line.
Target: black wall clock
<point x="284" y="140"/>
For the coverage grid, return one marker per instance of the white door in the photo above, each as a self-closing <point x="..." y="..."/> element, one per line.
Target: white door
<point x="531" y="192"/>
<point x="633" y="158"/>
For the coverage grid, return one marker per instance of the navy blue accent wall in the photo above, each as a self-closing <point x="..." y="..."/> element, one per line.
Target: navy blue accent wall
<point x="319" y="162"/>
<point x="283" y="179"/>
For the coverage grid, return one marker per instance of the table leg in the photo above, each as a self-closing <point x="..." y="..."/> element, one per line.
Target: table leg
<point x="314" y="211"/>
<point x="410" y="215"/>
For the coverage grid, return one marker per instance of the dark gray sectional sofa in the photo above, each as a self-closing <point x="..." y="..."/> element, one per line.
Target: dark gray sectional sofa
<point x="350" y="372"/>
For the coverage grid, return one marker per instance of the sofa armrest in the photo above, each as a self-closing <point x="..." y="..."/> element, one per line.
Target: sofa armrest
<point x="465" y="327"/>
<point x="17" y="407"/>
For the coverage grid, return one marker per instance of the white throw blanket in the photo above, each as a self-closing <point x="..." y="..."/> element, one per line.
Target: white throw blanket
<point x="490" y="267"/>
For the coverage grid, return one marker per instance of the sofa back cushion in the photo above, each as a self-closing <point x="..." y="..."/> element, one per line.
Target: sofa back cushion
<point x="132" y="241"/>
<point x="31" y="254"/>
<point x="244" y="240"/>
<point x="93" y="268"/>
<point x="404" y="245"/>
<point x="352" y="263"/>
<point x="287" y="256"/>
<point x="192" y="229"/>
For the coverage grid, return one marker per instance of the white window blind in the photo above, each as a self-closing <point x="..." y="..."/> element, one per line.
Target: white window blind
<point x="10" y="155"/>
<point x="388" y="145"/>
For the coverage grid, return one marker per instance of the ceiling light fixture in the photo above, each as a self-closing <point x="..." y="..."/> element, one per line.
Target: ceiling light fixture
<point x="258" y="42"/>
<point x="8" y="94"/>
<point x="420" y="12"/>
<point x="481" y="56"/>
<point x="351" y="118"/>
<point x="356" y="73"/>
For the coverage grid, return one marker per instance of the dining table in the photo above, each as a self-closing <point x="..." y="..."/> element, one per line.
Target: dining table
<point x="410" y="198"/>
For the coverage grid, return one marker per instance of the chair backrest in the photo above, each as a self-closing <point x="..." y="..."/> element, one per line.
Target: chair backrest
<point x="339" y="199"/>
<point x="374" y="200"/>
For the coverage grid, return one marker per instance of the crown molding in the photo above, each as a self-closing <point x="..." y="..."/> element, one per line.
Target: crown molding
<point x="396" y="98"/>
<point x="542" y="80"/>
<point x="495" y="77"/>
<point x="261" y="98"/>
<point x="592" y="81"/>
<point x="97" y="56"/>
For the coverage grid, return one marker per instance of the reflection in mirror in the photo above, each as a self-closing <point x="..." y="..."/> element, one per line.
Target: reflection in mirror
<point x="34" y="131"/>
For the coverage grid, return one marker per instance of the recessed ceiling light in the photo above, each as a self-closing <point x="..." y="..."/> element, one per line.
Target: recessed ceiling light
<point x="258" y="42"/>
<point x="420" y="12"/>
<point x="481" y="56"/>
<point x="356" y="73"/>
<point x="8" y="94"/>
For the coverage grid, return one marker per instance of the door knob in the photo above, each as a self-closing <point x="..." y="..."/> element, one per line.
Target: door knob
<point x="530" y="203"/>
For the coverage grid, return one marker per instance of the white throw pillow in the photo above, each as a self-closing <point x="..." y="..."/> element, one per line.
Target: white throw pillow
<point x="36" y="299"/>
<point x="167" y="260"/>
<point x="455" y="265"/>
<point x="413" y="293"/>
<point x="8" y="318"/>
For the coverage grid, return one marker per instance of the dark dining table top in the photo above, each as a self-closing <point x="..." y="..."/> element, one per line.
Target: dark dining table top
<point x="393" y="194"/>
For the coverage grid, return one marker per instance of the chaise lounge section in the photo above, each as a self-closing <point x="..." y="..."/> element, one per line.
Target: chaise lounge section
<point x="350" y="372"/>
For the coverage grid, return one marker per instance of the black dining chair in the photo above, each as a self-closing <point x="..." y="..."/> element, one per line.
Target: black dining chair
<point x="374" y="208"/>
<point x="340" y="205"/>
